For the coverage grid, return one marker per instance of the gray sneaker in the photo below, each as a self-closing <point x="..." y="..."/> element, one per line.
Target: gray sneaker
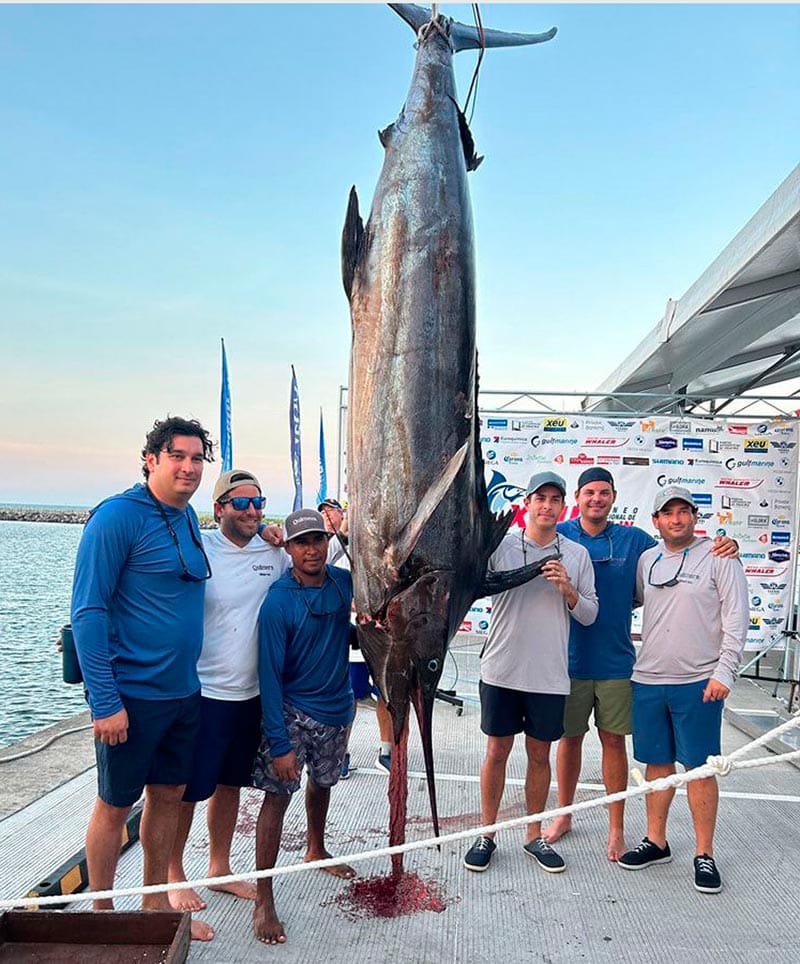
<point x="479" y="854"/>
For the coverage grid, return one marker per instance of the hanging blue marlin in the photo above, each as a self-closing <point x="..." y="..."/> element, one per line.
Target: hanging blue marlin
<point x="422" y="532"/>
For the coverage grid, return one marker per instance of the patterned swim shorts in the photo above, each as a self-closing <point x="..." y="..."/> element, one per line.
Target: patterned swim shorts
<point x="318" y="746"/>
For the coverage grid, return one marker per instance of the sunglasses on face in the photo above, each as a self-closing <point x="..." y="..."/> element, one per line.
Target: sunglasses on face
<point x="241" y="502"/>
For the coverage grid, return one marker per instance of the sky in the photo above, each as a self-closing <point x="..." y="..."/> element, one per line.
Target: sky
<point x="174" y="174"/>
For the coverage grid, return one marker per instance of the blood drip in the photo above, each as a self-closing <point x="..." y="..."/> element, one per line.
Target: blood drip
<point x="395" y="895"/>
<point x="398" y="798"/>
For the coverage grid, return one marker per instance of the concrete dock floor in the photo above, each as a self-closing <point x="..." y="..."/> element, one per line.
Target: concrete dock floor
<point x="595" y="912"/>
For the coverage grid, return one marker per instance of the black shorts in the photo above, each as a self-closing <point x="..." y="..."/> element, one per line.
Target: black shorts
<point x="226" y="745"/>
<point x="506" y="712"/>
<point x="159" y="749"/>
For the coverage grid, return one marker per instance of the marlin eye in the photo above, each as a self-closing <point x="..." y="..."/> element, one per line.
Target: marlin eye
<point x="433" y="665"/>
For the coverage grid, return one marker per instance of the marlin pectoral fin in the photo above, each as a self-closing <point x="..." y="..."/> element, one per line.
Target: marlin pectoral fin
<point x="502" y="581"/>
<point x="352" y="236"/>
<point x="403" y="546"/>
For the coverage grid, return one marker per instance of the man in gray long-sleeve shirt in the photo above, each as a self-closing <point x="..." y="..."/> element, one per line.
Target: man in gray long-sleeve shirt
<point x="694" y="626"/>
<point x="524" y="672"/>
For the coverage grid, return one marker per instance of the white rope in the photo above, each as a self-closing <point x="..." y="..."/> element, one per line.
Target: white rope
<point x="42" y="746"/>
<point x="714" y="766"/>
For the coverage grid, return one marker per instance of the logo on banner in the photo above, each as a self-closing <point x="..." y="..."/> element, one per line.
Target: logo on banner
<point x="649" y="426"/>
<point x="497" y="423"/>
<point x="767" y="571"/>
<point x="779" y="555"/>
<point x="581" y="459"/>
<point x="780" y="538"/>
<point x="596" y="442"/>
<point x="730" y="483"/>
<point x="755" y="622"/>
<point x="635" y="460"/>
<point x="758" y="521"/>
<point x="782" y="446"/>
<point x="702" y="498"/>
<point x="555" y="424"/>
<point x="666" y="442"/>
<point x="608" y="459"/>
<point x="621" y="423"/>
<point x="692" y="443"/>
<point x="756" y="444"/>
<point x="773" y="586"/>
<point x="738" y="429"/>
<point x="680" y="427"/>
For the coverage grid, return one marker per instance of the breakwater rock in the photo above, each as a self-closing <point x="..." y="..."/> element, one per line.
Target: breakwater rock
<point x="78" y="516"/>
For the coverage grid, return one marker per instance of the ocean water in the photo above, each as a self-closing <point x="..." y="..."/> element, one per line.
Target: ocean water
<point x="36" y="565"/>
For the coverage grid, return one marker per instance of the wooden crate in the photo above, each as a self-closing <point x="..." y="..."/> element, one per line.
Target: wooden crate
<point x="122" y="937"/>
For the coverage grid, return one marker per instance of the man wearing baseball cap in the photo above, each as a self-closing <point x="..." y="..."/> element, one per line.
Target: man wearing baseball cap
<point x="244" y="567"/>
<point x="306" y="700"/>
<point x="694" y="625"/>
<point x="601" y="656"/>
<point x="524" y="674"/>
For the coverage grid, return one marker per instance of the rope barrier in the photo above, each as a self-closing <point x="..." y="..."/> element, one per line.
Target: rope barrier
<point x="43" y="746"/>
<point x="714" y="766"/>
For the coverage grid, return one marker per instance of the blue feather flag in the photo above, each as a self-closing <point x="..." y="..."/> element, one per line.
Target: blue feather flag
<point x="225" y="436"/>
<point x="294" y="433"/>
<point x="323" y="472"/>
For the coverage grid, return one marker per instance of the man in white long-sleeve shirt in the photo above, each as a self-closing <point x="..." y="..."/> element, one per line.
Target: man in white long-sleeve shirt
<point x="524" y="673"/>
<point x="694" y="626"/>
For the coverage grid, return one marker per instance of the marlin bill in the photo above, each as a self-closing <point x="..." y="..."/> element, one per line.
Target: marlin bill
<point x="422" y="531"/>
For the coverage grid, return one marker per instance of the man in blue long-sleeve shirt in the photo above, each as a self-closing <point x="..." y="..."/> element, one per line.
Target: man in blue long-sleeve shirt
<point x="306" y="700"/>
<point x="137" y="617"/>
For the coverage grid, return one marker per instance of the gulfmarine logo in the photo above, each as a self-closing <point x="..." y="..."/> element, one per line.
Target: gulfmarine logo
<point x="555" y="424"/>
<point x="756" y="444"/>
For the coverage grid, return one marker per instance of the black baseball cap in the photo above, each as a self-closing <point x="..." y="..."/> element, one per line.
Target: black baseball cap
<point x="596" y="474"/>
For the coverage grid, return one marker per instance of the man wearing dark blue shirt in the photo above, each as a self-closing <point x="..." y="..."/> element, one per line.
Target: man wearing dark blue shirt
<point x="306" y="700"/>
<point x="137" y="618"/>
<point x="601" y="656"/>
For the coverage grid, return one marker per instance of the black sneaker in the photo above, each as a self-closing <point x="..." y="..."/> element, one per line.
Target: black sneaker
<point x="545" y="856"/>
<point x="479" y="854"/>
<point x="706" y="875"/>
<point x="644" y="855"/>
<point x="383" y="761"/>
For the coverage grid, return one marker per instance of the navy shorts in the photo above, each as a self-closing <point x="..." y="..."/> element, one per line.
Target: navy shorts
<point x="159" y="749"/>
<point x="225" y="747"/>
<point x="672" y="723"/>
<point x="506" y="712"/>
<point x="361" y="682"/>
<point x="319" y="746"/>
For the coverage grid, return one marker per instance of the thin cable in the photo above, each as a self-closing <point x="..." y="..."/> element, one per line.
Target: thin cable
<point x="473" y="87"/>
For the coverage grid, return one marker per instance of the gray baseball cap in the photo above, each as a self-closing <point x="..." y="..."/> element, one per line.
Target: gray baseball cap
<point x="672" y="492"/>
<point x="302" y="522"/>
<point x="546" y="478"/>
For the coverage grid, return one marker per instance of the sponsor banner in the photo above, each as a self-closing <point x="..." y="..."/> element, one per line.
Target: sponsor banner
<point x="743" y="477"/>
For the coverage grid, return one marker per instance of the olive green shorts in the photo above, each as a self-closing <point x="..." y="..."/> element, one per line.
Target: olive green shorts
<point x="610" y="699"/>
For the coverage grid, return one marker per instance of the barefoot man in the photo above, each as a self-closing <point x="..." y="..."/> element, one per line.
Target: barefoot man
<point x="245" y="566"/>
<point x="137" y="618"/>
<point x="306" y="701"/>
<point x="601" y="655"/>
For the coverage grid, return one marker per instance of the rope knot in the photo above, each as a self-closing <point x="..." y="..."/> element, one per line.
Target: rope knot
<point x="721" y="764"/>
